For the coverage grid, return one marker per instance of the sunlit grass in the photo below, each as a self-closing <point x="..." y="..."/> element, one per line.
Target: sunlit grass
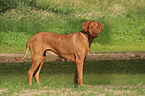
<point x="117" y="48"/>
<point x="123" y="22"/>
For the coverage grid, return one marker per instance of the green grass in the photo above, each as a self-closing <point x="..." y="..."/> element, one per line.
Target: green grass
<point x="57" y="78"/>
<point x="123" y="22"/>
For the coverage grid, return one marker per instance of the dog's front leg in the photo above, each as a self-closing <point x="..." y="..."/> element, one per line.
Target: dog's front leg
<point x="79" y="73"/>
<point x="76" y="78"/>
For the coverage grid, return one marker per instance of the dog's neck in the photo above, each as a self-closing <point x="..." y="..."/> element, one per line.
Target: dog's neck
<point x="83" y="32"/>
<point x="90" y="38"/>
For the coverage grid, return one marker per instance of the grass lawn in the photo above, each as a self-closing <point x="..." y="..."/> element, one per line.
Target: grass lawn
<point x="124" y="22"/>
<point x="56" y="78"/>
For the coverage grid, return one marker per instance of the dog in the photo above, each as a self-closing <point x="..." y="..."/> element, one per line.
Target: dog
<point x="72" y="47"/>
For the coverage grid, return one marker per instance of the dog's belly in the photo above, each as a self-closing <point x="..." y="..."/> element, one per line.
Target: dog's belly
<point x="67" y="57"/>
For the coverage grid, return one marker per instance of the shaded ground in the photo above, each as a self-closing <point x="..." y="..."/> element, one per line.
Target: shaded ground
<point x="98" y="90"/>
<point x="9" y="58"/>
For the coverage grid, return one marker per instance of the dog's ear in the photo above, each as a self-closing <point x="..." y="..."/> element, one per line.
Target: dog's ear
<point x="101" y="26"/>
<point x="85" y="26"/>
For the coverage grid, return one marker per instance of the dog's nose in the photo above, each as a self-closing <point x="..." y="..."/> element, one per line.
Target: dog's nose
<point x="96" y="32"/>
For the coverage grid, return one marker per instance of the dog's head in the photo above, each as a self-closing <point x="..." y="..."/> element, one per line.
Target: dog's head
<point x="92" y="28"/>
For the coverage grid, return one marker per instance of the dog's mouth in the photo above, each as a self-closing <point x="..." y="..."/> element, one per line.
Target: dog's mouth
<point x="95" y="35"/>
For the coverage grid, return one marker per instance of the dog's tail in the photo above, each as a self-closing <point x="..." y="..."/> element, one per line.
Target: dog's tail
<point x="27" y="48"/>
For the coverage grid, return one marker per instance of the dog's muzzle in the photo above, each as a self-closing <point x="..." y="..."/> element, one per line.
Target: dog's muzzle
<point x="96" y="34"/>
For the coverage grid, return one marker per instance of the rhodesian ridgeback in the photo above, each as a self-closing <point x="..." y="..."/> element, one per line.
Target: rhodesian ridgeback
<point x="72" y="47"/>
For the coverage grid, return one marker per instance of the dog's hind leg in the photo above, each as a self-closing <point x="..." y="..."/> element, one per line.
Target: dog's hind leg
<point x="37" y="73"/>
<point x="35" y="64"/>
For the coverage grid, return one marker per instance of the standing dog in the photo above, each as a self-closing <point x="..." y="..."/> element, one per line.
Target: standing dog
<point x="72" y="47"/>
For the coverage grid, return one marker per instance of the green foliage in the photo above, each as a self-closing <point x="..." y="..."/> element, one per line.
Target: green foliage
<point x="13" y="39"/>
<point x="124" y="21"/>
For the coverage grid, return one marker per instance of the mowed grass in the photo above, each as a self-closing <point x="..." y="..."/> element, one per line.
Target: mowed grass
<point x="56" y="78"/>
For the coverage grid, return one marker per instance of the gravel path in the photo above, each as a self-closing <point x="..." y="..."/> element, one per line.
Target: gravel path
<point x="9" y="58"/>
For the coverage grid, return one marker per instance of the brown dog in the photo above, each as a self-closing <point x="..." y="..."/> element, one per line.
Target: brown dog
<point x="72" y="47"/>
